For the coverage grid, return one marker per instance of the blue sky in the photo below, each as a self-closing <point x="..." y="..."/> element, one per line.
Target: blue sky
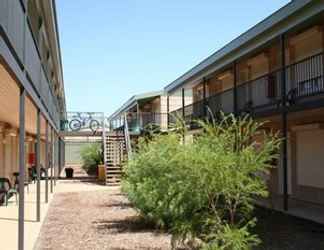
<point x="113" y="49"/>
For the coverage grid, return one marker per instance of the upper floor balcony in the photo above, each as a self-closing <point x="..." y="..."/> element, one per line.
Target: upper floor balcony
<point x="17" y="34"/>
<point x="304" y="87"/>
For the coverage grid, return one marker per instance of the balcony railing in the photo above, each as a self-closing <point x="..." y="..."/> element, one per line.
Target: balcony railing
<point x="303" y="79"/>
<point x="138" y="122"/>
<point x="260" y="93"/>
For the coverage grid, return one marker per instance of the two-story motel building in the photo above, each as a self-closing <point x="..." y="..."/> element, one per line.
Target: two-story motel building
<point x="274" y="72"/>
<point x="32" y="99"/>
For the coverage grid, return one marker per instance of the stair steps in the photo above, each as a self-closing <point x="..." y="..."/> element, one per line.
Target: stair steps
<point x="115" y="156"/>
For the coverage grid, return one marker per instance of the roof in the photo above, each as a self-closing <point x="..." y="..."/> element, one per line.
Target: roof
<point x="131" y="102"/>
<point x="250" y="35"/>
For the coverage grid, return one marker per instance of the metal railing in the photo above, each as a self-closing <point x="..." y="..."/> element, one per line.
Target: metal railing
<point x="91" y="122"/>
<point x="137" y="122"/>
<point x="127" y="138"/>
<point x="303" y="79"/>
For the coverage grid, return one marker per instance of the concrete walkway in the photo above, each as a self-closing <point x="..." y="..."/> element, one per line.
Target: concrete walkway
<point x="9" y="219"/>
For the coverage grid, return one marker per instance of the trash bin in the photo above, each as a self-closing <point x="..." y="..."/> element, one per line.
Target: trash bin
<point x="69" y="173"/>
<point x="101" y="172"/>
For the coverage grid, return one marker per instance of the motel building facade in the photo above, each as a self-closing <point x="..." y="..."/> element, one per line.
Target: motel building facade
<point x="32" y="104"/>
<point x="275" y="73"/>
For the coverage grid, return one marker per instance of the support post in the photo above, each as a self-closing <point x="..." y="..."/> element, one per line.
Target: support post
<point x="284" y="124"/>
<point x="21" y="210"/>
<point x="46" y="161"/>
<point x="235" y="89"/>
<point x="204" y="98"/>
<point x="55" y="155"/>
<point x="168" y="110"/>
<point x="51" y="160"/>
<point x="38" y="165"/>
<point x="183" y="102"/>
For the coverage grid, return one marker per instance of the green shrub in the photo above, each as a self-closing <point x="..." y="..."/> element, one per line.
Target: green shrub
<point x="206" y="189"/>
<point x="91" y="156"/>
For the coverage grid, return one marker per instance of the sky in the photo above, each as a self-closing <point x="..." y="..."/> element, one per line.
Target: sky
<point x="114" y="49"/>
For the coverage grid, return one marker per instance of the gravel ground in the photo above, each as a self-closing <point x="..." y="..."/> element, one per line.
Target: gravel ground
<point x="104" y="219"/>
<point x="101" y="219"/>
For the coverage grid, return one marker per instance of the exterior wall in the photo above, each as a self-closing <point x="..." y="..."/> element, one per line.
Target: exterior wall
<point x="307" y="43"/>
<point x="20" y="46"/>
<point x="175" y="100"/>
<point x="73" y="152"/>
<point x="308" y="171"/>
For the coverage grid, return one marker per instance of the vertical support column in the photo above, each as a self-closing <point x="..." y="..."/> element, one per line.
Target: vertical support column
<point x="46" y="161"/>
<point x="168" y="110"/>
<point x="38" y="165"/>
<point x="55" y="155"/>
<point x="204" y="97"/>
<point x="51" y="159"/>
<point x="183" y="102"/>
<point x="138" y="117"/>
<point x="284" y="124"/>
<point x="183" y="114"/>
<point x="235" y="89"/>
<point x="21" y="210"/>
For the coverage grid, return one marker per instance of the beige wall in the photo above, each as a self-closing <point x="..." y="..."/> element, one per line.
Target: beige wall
<point x="175" y="100"/>
<point x="305" y="44"/>
<point x="310" y="158"/>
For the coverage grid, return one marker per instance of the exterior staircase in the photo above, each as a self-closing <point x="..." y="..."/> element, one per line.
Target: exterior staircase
<point x="115" y="154"/>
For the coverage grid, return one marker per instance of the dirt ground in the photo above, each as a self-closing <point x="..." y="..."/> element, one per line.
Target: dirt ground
<point x="86" y="215"/>
<point x="91" y="217"/>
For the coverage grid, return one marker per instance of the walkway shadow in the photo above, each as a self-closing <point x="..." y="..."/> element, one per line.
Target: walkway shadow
<point x="83" y="179"/>
<point x="130" y="224"/>
<point x="119" y="204"/>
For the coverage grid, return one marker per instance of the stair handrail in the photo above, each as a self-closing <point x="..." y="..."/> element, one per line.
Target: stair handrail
<point x="127" y="137"/>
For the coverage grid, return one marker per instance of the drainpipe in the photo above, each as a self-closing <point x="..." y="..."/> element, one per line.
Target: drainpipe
<point x="284" y="124"/>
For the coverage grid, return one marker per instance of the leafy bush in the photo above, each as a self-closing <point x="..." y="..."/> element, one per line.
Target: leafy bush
<point x="91" y="156"/>
<point x="203" y="191"/>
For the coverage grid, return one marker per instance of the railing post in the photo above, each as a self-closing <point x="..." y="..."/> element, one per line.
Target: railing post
<point x="284" y="124"/>
<point x="235" y="88"/>
<point x="21" y="211"/>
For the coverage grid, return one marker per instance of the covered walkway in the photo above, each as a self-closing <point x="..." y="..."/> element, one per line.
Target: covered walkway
<point x="9" y="219"/>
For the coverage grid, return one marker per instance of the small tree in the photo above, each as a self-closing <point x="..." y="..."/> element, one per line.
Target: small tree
<point x="91" y="156"/>
<point x="206" y="189"/>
